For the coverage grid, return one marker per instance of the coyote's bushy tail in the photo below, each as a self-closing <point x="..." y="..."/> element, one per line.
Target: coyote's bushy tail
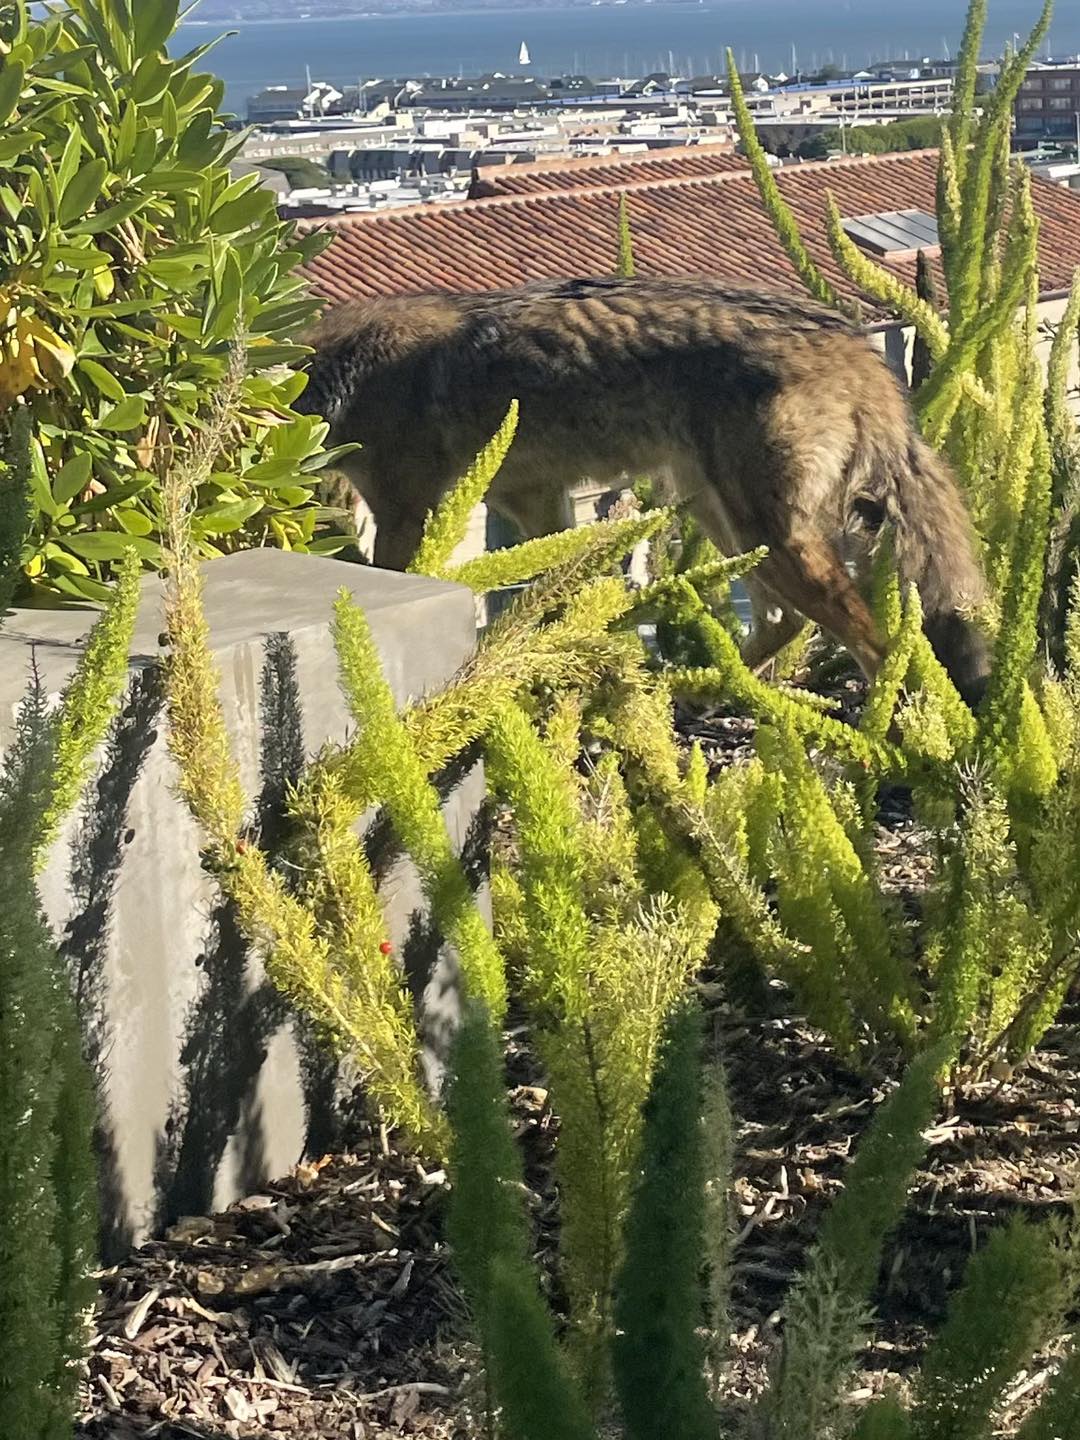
<point x="900" y="480"/>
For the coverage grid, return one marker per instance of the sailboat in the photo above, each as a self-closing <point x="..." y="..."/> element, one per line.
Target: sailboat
<point x="523" y="55"/>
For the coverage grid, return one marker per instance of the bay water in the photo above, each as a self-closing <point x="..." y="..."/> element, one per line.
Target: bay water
<point x="609" y="39"/>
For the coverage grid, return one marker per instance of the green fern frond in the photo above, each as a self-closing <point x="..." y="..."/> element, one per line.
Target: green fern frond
<point x="885" y="691"/>
<point x="780" y="211"/>
<point x="446" y="526"/>
<point x="948" y="200"/>
<point x="596" y="546"/>
<point x="884" y="286"/>
<point x="666" y="590"/>
<point x="625" y="268"/>
<point x="828" y="1309"/>
<point x="90" y="700"/>
<point x="1012" y="1298"/>
<point x="967" y="75"/>
<point x="830" y="902"/>
<point x="399" y="780"/>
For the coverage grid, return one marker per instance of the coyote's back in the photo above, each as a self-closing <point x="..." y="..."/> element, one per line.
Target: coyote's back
<point x="774" y="418"/>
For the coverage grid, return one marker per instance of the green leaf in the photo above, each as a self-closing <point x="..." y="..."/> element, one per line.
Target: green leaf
<point x="125" y="137"/>
<point x="133" y="521"/>
<point x="72" y="478"/>
<point x="112" y="216"/>
<point x="171" y="180"/>
<point x="83" y="191"/>
<point x="177" y="269"/>
<point x="151" y="78"/>
<point x="62" y="61"/>
<point x="220" y="318"/>
<point x="8" y="198"/>
<point x="57" y="559"/>
<point x="293" y="495"/>
<point x="191" y="147"/>
<point x="155" y="21"/>
<point x="121" y="307"/>
<point x="270" y="472"/>
<point x="223" y="519"/>
<point x="192" y="57"/>
<point x="39" y="480"/>
<point x="286" y="315"/>
<point x="102" y="380"/>
<point x="145" y="152"/>
<point x="82" y="587"/>
<point x="108" y="545"/>
<point x="298" y="440"/>
<point x="232" y="192"/>
<point x="78" y="257"/>
<point x="97" y="545"/>
<point x="170" y="119"/>
<point x="115" y="495"/>
<point x="326" y="458"/>
<point x="69" y="161"/>
<point x="12" y="146"/>
<point x="189" y="326"/>
<point x="12" y="78"/>
<point x="130" y="413"/>
<point x="264" y="357"/>
<point x="237" y="215"/>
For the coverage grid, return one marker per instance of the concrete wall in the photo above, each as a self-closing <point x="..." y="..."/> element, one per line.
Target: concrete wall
<point x="209" y="1085"/>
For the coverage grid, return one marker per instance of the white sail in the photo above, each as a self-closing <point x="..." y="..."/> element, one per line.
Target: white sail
<point x="523" y="55"/>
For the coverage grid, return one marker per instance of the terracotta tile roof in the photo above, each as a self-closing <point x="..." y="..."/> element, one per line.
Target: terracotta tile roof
<point x="712" y="225"/>
<point x="674" y="164"/>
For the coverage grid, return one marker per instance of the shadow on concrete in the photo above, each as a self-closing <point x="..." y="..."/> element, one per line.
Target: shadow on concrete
<point x="228" y="1029"/>
<point x="96" y="857"/>
<point x="431" y="968"/>
<point x="232" y="1023"/>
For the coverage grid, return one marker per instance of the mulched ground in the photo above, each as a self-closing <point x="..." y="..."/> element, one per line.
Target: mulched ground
<point x="325" y="1309"/>
<point x="325" y="1306"/>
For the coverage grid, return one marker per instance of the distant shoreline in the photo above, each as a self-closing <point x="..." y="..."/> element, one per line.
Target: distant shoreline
<point x="411" y="13"/>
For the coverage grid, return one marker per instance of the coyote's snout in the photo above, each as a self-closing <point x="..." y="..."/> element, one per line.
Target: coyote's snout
<point x="771" y="416"/>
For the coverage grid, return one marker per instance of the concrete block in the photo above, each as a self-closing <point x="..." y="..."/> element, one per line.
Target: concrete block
<point x="209" y="1085"/>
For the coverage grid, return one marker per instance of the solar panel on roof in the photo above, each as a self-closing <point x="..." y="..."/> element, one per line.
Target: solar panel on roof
<point x="894" y="231"/>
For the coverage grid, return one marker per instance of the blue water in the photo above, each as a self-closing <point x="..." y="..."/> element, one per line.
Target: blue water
<point x="630" y="39"/>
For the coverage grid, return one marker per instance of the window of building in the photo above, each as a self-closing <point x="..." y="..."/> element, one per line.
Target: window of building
<point x="1061" y="82"/>
<point x="1031" y="104"/>
<point x="1033" y="82"/>
<point x="1065" y="104"/>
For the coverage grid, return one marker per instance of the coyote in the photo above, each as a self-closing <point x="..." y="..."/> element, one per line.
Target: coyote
<point x="770" y="416"/>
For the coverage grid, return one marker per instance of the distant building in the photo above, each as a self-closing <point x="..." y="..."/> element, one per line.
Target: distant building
<point x="862" y="97"/>
<point x="276" y="102"/>
<point x="487" y="92"/>
<point x="1048" y="104"/>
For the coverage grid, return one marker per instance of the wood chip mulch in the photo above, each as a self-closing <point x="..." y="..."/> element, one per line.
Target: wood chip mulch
<point x="317" y="1308"/>
<point x="325" y="1309"/>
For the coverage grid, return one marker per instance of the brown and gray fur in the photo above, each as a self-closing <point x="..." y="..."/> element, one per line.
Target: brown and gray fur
<point x="771" y="416"/>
